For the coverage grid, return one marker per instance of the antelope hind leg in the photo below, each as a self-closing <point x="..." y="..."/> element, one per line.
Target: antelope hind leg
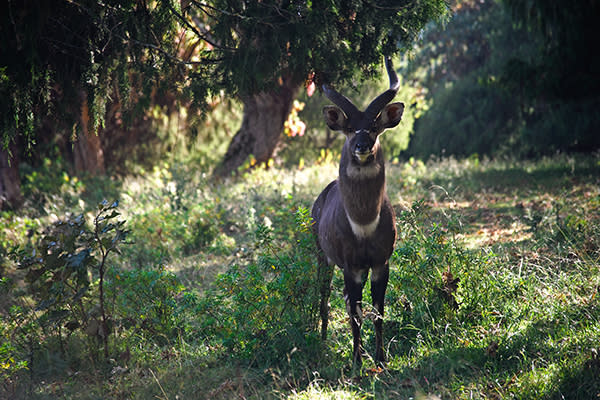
<point x="325" y="277"/>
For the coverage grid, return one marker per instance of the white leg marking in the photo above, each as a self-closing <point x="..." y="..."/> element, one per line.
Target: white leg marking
<point x="357" y="276"/>
<point x="359" y="314"/>
<point x="376" y="314"/>
<point x="358" y="309"/>
<point x="376" y="273"/>
<point x="347" y="301"/>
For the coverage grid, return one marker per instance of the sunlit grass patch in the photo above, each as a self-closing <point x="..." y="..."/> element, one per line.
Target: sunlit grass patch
<point x="317" y="392"/>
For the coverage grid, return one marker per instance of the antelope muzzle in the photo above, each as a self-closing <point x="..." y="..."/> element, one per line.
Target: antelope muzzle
<point x="364" y="147"/>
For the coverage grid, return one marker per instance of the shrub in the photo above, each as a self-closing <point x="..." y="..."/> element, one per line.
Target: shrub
<point x="437" y="280"/>
<point x="62" y="265"/>
<point x="12" y="361"/>
<point x="268" y="310"/>
<point x="150" y="302"/>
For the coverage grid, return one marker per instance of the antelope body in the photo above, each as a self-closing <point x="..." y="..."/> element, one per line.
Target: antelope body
<point x="354" y="221"/>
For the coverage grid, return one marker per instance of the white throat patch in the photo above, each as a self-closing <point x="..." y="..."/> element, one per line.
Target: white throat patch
<point x="360" y="172"/>
<point x="363" y="231"/>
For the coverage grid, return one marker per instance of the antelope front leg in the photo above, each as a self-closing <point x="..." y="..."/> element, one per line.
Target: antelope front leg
<point x="325" y="277"/>
<point x="353" y="296"/>
<point x="379" y="281"/>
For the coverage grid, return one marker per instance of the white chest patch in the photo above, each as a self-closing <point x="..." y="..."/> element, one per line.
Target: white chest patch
<point x="363" y="231"/>
<point x="368" y="172"/>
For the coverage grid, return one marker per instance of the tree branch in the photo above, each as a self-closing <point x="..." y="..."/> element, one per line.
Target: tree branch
<point x="196" y="31"/>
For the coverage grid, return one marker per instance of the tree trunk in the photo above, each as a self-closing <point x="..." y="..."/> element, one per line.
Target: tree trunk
<point x="87" y="149"/>
<point x="10" y="188"/>
<point x="88" y="153"/>
<point x="262" y="124"/>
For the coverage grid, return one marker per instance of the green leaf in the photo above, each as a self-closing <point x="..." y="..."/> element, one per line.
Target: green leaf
<point x="80" y="293"/>
<point x="57" y="315"/>
<point x="45" y="304"/>
<point x="79" y="260"/>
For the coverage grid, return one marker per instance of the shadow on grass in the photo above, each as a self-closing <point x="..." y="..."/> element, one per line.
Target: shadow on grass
<point x="551" y="175"/>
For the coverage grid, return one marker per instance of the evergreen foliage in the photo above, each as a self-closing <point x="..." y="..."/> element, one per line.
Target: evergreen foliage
<point x="255" y="44"/>
<point x="65" y="65"/>
<point x="54" y="54"/>
<point x="57" y="55"/>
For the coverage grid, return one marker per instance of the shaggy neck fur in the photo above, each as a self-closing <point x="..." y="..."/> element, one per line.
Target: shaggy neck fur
<point x="362" y="188"/>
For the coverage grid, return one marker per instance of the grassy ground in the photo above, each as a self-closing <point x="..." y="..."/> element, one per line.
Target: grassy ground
<point x="494" y="288"/>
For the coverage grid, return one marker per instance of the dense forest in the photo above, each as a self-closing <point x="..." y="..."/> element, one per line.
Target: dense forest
<point x="158" y="162"/>
<point x="516" y="78"/>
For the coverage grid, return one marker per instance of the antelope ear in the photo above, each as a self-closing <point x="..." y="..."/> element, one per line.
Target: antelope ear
<point x="390" y="116"/>
<point x="335" y="118"/>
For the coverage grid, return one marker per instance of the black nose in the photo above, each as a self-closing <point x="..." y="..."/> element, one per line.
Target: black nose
<point x="362" y="147"/>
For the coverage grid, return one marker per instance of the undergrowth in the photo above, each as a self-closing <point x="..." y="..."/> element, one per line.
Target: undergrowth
<point x="493" y="293"/>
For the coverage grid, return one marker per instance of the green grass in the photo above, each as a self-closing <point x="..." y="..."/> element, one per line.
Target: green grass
<point x="494" y="287"/>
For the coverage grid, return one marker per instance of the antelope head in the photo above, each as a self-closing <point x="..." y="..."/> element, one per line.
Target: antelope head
<point x="362" y="128"/>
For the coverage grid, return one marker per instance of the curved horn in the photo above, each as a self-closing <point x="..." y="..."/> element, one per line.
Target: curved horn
<point x="341" y="101"/>
<point x="383" y="99"/>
